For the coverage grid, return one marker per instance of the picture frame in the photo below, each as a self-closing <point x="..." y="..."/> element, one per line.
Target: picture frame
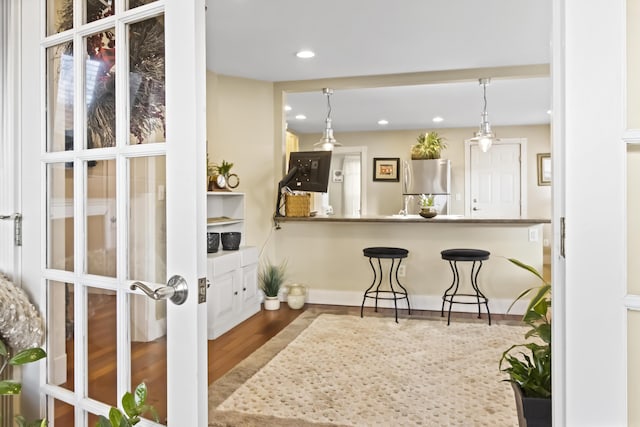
<point x="544" y="169"/>
<point x="386" y="169"/>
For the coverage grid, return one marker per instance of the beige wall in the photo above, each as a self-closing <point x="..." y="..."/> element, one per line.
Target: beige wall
<point x="385" y="197"/>
<point x="240" y="130"/>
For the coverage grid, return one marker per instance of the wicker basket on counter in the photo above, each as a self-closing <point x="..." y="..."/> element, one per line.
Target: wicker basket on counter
<point x="297" y="205"/>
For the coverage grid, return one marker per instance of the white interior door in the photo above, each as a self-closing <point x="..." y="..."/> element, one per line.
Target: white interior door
<point x="120" y="88"/>
<point x="494" y="181"/>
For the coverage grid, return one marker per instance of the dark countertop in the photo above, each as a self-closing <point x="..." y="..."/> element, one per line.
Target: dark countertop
<point x="417" y="219"/>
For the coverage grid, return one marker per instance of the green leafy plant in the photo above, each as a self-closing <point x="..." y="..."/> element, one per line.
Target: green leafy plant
<point x="426" y="201"/>
<point x="134" y="405"/>
<point x="529" y="364"/>
<point x="224" y="168"/>
<point x="271" y="278"/>
<point x="429" y="146"/>
<point x="10" y="387"/>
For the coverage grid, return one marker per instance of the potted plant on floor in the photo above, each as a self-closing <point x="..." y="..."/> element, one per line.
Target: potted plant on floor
<point x="271" y="277"/>
<point x="528" y="364"/>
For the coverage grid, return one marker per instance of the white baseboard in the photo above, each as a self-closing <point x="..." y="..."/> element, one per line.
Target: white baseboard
<point x="418" y="302"/>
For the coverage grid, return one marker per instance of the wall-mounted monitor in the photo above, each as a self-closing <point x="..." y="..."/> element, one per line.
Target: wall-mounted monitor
<point x="311" y="171"/>
<point x="308" y="171"/>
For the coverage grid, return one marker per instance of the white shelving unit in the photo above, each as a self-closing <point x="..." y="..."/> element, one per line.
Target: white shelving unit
<point x="233" y="295"/>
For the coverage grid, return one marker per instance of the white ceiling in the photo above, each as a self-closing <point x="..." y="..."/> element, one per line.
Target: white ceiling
<point x="258" y="39"/>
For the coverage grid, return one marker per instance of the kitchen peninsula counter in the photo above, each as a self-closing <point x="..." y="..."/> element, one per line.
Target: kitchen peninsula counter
<point x="416" y="219"/>
<point x="324" y="253"/>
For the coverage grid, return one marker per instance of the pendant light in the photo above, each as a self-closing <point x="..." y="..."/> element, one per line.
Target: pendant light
<point x="327" y="142"/>
<point x="484" y="137"/>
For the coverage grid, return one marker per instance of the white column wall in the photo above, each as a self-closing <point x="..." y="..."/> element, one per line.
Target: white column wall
<point x="594" y="173"/>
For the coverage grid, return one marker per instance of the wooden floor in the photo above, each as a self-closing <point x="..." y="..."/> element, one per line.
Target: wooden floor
<point x="149" y="359"/>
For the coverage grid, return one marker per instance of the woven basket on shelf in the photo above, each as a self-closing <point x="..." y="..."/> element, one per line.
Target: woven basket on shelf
<point x="297" y="204"/>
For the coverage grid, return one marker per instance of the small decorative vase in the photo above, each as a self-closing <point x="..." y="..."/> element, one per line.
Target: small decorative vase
<point x="230" y="240"/>
<point x="296" y="296"/>
<point x="271" y="303"/>
<point x="428" y="212"/>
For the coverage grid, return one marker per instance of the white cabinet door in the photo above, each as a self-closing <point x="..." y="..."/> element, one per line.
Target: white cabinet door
<point x="249" y="285"/>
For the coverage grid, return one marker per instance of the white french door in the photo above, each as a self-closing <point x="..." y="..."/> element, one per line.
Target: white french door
<point x="115" y="149"/>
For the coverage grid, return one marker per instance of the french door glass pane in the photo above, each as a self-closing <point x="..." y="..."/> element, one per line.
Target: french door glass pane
<point x="98" y="9"/>
<point x="147" y="220"/>
<point x="100" y="96"/>
<point x="60" y="323"/>
<point x="63" y="414"/>
<point x="147" y="81"/>
<point x="149" y="350"/>
<point x="60" y="80"/>
<point x="101" y="345"/>
<point x="60" y="216"/>
<point x="59" y="16"/>
<point x="101" y="217"/>
<point x="136" y="3"/>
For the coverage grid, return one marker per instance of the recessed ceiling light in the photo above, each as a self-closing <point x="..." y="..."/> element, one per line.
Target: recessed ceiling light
<point x="383" y="122"/>
<point x="287" y="108"/>
<point x="437" y="119"/>
<point x="305" y="54"/>
<point x="301" y="117"/>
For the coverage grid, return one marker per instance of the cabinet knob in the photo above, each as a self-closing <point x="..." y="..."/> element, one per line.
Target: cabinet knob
<point x="244" y="289"/>
<point x="235" y="293"/>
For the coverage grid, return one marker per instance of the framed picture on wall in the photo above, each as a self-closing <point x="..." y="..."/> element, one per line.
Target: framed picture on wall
<point x="386" y="169"/>
<point x="544" y="168"/>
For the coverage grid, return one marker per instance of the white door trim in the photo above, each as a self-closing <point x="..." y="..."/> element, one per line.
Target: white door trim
<point x="522" y="142"/>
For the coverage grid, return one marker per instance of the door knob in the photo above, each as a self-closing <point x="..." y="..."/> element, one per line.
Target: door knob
<point x="475" y="209"/>
<point x="176" y="290"/>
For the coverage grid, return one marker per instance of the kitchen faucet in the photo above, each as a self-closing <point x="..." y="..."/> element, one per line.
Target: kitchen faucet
<point x="405" y="208"/>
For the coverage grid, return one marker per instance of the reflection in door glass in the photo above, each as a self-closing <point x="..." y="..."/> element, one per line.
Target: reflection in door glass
<point x="146" y="81"/>
<point x="100" y="89"/>
<point x="59" y="16"/>
<point x="60" y="333"/>
<point x="60" y="92"/>
<point x="101" y="217"/>
<point x="136" y="3"/>
<point x="60" y="216"/>
<point x="98" y="9"/>
<point x="101" y="345"/>
<point x="147" y="220"/>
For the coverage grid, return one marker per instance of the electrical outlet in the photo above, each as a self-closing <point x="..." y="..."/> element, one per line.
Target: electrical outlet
<point x="533" y="234"/>
<point x="545" y="242"/>
<point x="402" y="271"/>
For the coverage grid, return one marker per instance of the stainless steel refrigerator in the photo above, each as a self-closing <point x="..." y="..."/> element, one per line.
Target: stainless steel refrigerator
<point x="426" y="177"/>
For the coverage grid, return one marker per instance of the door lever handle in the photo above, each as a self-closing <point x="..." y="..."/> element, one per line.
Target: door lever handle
<point x="176" y="290"/>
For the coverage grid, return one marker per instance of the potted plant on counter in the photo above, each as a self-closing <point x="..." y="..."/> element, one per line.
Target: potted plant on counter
<point x="429" y="146"/>
<point x="271" y="277"/>
<point x="528" y="364"/>
<point x="427" y="206"/>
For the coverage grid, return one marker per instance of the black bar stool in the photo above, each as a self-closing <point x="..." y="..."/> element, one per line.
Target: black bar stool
<point x="392" y="294"/>
<point x="451" y="294"/>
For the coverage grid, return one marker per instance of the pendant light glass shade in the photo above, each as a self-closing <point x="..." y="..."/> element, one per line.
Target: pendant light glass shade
<point x="484" y="137"/>
<point x="327" y="141"/>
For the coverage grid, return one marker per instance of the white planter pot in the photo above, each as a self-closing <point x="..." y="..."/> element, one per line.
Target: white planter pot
<point x="271" y="303"/>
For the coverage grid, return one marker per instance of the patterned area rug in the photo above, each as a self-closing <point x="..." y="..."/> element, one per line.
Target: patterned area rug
<point x="348" y="371"/>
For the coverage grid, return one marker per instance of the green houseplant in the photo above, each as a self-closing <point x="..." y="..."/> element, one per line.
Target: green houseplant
<point x="134" y="405"/>
<point x="429" y="146"/>
<point x="528" y="364"/>
<point x="271" y="277"/>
